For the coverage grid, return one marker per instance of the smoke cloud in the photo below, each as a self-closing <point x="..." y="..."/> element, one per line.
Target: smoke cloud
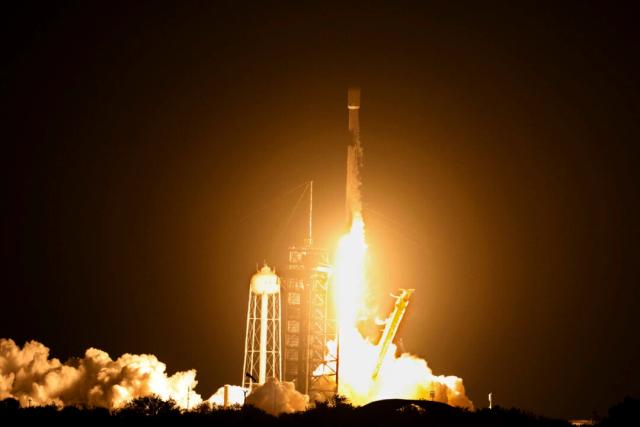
<point x="30" y="376"/>
<point x="235" y="396"/>
<point x="276" y="397"/>
<point x="403" y="376"/>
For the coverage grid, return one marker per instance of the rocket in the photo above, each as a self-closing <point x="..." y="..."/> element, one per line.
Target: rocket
<point x="354" y="156"/>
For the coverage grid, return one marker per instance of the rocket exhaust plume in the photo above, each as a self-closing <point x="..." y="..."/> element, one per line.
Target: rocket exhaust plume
<point x="372" y="371"/>
<point x="28" y="375"/>
<point x="276" y="397"/>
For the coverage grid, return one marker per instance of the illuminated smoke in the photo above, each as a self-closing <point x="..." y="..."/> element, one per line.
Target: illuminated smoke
<point x="235" y="396"/>
<point x="30" y="376"/>
<point x="400" y="377"/>
<point x="276" y="397"/>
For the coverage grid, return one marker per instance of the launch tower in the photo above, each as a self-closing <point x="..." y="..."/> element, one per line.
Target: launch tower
<point x="309" y="322"/>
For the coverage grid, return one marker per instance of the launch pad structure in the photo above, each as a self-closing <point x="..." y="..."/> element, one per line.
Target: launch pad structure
<point x="309" y="320"/>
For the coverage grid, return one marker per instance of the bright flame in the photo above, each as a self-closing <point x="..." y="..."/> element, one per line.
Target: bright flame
<point x="349" y="280"/>
<point x="404" y="376"/>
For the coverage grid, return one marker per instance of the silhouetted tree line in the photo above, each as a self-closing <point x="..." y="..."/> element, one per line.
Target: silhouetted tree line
<point x="337" y="413"/>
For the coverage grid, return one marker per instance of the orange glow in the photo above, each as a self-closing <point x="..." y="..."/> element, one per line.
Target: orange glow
<point x="405" y="376"/>
<point x="349" y="281"/>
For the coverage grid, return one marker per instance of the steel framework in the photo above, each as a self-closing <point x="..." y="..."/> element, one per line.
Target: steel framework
<point x="310" y="324"/>
<point x="323" y="358"/>
<point x="262" y="349"/>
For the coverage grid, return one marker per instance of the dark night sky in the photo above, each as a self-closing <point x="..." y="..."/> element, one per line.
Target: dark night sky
<point x="146" y="152"/>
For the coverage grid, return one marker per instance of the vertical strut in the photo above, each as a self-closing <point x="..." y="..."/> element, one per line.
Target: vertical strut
<point x="311" y="213"/>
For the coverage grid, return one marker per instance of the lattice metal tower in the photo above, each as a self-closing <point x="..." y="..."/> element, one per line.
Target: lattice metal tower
<point x="262" y="348"/>
<point x="323" y="356"/>
<point x="309" y="326"/>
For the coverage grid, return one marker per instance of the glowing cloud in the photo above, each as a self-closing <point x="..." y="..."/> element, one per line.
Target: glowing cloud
<point x="30" y="376"/>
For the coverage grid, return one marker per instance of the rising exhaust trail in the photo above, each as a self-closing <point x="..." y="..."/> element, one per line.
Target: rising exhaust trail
<point x="373" y="371"/>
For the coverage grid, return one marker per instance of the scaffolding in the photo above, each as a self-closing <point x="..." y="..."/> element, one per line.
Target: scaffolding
<point x="310" y="333"/>
<point x="310" y="325"/>
<point x="323" y="338"/>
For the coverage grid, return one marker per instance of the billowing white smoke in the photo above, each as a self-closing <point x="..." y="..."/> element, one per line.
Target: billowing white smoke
<point x="30" y="376"/>
<point x="276" y="397"/>
<point x="401" y="377"/>
<point x="235" y="396"/>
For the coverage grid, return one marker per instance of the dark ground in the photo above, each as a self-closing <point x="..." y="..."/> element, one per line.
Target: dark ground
<point x="382" y="413"/>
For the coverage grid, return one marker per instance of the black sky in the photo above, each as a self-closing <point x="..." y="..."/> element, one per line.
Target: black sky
<point x="148" y="151"/>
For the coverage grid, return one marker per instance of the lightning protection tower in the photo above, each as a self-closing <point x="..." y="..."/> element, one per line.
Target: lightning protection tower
<point x="262" y="354"/>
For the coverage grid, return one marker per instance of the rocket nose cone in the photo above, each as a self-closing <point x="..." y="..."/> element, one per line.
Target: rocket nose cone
<point x="353" y="98"/>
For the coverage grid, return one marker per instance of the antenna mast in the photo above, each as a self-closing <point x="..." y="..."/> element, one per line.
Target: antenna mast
<point x="310" y="238"/>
